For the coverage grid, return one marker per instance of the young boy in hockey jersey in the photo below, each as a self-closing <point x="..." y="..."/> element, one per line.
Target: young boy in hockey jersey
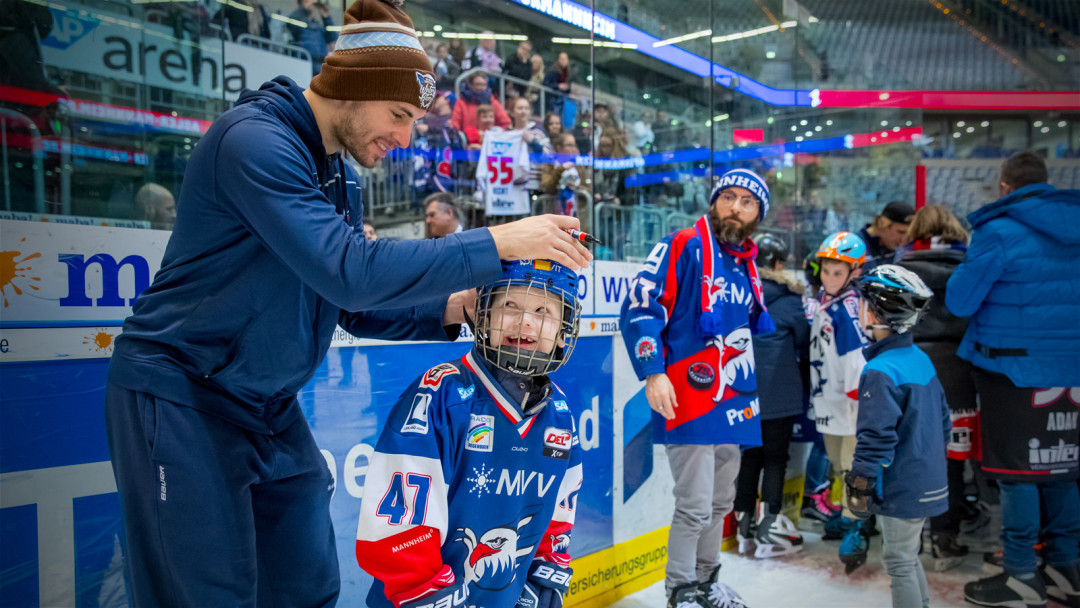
<point x="836" y="360"/>
<point x="469" y="498"/>
<point x="899" y="470"/>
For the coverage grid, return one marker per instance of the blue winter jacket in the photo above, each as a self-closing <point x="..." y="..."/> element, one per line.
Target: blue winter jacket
<point x="267" y="251"/>
<point x="904" y="426"/>
<point x="1020" y="284"/>
<point x="777" y="354"/>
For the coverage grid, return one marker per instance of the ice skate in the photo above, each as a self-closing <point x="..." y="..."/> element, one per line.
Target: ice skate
<point x="776" y="535"/>
<point x="686" y="596"/>
<point x="715" y="594"/>
<point x="817" y="506"/>
<point x="1062" y="584"/>
<point x="1004" y="590"/>
<point x="947" y="552"/>
<point x="854" y="547"/>
<point x="744" y="530"/>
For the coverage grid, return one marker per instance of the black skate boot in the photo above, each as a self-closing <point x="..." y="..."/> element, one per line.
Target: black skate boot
<point x="1004" y="590"/>
<point x="854" y="547"/>
<point x="744" y="530"/>
<point x="1062" y="584"/>
<point x="686" y="596"/>
<point x="715" y="594"/>
<point x="776" y="535"/>
<point x="947" y="552"/>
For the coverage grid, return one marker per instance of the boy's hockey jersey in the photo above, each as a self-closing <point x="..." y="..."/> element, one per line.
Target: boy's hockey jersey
<point x="462" y="489"/>
<point x="714" y="377"/>
<point x="503" y="173"/>
<point x="836" y="361"/>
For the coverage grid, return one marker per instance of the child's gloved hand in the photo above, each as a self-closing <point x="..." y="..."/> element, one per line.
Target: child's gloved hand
<point x="545" y="587"/>
<point x="860" y="493"/>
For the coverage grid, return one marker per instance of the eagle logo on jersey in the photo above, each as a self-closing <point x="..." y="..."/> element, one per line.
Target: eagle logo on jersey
<point x="494" y="555"/>
<point x="427" y="89"/>
<point x="645" y="349"/>
<point x="736" y="364"/>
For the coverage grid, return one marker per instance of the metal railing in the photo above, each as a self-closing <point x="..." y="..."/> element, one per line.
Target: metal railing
<point x="37" y="155"/>
<point x="274" y="47"/>
<point x="503" y="79"/>
<point x="628" y="232"/>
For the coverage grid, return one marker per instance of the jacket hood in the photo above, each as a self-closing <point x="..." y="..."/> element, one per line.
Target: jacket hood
<point x="1050" y="212"/>
<point x="288" y="99"/>
<point x="782" y="278"/>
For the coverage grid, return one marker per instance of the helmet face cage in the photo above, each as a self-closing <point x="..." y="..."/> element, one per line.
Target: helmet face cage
<point x="896" y="296"/>
<point x="516" y="330"/>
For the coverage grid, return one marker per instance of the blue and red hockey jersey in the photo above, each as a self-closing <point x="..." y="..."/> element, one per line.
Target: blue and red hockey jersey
<point x="464" y="488"/>
<point x="713" y="375"/>
<point x="836" y="362"/>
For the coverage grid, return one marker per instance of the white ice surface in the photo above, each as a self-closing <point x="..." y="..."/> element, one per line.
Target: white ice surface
<point x="815" y="577"/>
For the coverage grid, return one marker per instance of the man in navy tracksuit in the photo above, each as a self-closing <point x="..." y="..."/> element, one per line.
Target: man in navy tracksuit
<point x="224" y="493"/>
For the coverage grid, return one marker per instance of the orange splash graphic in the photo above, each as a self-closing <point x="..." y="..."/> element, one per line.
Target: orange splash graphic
<point x="13" y="273"/>
<point x="101" y="341"/>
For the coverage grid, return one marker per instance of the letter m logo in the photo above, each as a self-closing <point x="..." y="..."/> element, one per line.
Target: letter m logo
<point x="110" y="279"/>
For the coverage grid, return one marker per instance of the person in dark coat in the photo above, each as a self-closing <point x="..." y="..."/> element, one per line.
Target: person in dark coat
<point x="886" y="234"/>
<point x="937" y="245"/>
<point x="781" y="395"/>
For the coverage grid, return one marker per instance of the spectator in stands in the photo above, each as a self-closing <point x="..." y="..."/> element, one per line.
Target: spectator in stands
<point x="253" y="21"/>
<point x="643" y="136"/>
<point x="536" y="80"/>
<point x="458" y="51"/>
<point x="315" y="38"/>
<point x="885" y="234"/>
<point x="475" y="93"/>
<point x="937" y="244"/>
<point x="532" y="134"/>
<point x="1020" y="286"/>
<point x="446" y="69"/>
<point x="553" y="126"/>
<point x="610" y="183"/>
<point x="156" y="205"/>
<point x="22" y="27"/>
<point x="559" y="78"/>
<point x="519" y="66"/>
<point x="662" y="134"/>
<point x="264" y="262"/>
<point x="568" y="182"/>
<point x="369" y="232"/>
<point x="442" y="216"/>
<point x="484" y="56"/>
<point x="434" y="143"/>
<point x="485" y="121"/>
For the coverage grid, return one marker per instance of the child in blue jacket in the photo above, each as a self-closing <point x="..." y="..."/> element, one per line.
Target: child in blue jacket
<point x="899" y="470"/>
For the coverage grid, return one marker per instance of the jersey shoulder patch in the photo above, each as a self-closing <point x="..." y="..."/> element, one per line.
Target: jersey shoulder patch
<point x="433" y="378"/>
<point x="851" y="305"/>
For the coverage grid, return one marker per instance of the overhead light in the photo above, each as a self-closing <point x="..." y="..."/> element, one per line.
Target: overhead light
<point x="644" y="95"/>
<point x="984" y="124"/>
<point x="437" y="28"/>
<point x="802" y="122"/>
<point x="769" y="120"/>
<point x="970" y="129"/>
<point x="1062" y="123"/>
<point x="809" y="134"/>
<point x="884" y="123"/>
<point x="957" y="134"/>
<point x="720" y="117"/>
<point x="818" y="128"/>
<point x="828" y="123"/>
<point x="603" y="43"/>
<point x="794" y="128"/>
<point x="1038" y="123"/>
<point x="770" y="54"/>
<point x="288" y="20"/>
<point x="1045" y="129"/>
<point x="684" y="38"/>
<point x="748" y="33"/>
<point x="466" y="36"/>
<point x="961" y="123"/>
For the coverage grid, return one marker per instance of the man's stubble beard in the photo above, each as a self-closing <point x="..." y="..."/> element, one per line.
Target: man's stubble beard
<point x="730" y="233"/>
<point x="352" y="133"/>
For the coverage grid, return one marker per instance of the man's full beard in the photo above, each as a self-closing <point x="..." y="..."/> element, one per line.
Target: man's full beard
<point x="732" y="233"/>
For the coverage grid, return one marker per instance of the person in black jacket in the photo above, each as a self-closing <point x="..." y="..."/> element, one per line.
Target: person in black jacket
<point x="781" y="395"/>
<point x="937" y="244"/>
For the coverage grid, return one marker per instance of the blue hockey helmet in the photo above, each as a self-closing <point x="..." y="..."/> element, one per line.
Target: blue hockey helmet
<point x="896" y="296"/>
<point x="843" y="246"/>
<point x="527" y="321"/>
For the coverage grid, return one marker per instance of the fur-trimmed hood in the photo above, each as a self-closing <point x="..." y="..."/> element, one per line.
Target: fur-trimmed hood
<point x="783" y="278"/>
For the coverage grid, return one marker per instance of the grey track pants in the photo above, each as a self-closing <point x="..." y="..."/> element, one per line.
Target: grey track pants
<point x="704" y="493"/>
<point x="901" y="559"/>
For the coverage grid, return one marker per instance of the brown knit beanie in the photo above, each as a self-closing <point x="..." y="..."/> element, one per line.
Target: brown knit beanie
<point x="377" y="58"/>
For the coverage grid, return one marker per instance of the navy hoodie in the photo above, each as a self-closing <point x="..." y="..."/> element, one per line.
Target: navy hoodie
<point x="267" y="252"/>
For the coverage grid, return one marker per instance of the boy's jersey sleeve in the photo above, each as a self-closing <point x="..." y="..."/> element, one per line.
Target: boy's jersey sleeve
<point x="403" y="513"/>
<point x="554" y="547"/>
<point x="849" y="360"/>
<point x="647" y="308"/>
<point x="879" y="416"/>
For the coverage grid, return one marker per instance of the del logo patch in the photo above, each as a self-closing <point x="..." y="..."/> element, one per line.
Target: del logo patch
<point x="557" y="443"/>
<point x="481" y="434"/>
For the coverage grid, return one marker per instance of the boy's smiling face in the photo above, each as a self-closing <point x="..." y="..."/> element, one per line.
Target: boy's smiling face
<point x="528" y="318"/>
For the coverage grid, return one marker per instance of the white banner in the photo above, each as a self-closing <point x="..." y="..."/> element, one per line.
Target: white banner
<point x="119" y="46"/>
